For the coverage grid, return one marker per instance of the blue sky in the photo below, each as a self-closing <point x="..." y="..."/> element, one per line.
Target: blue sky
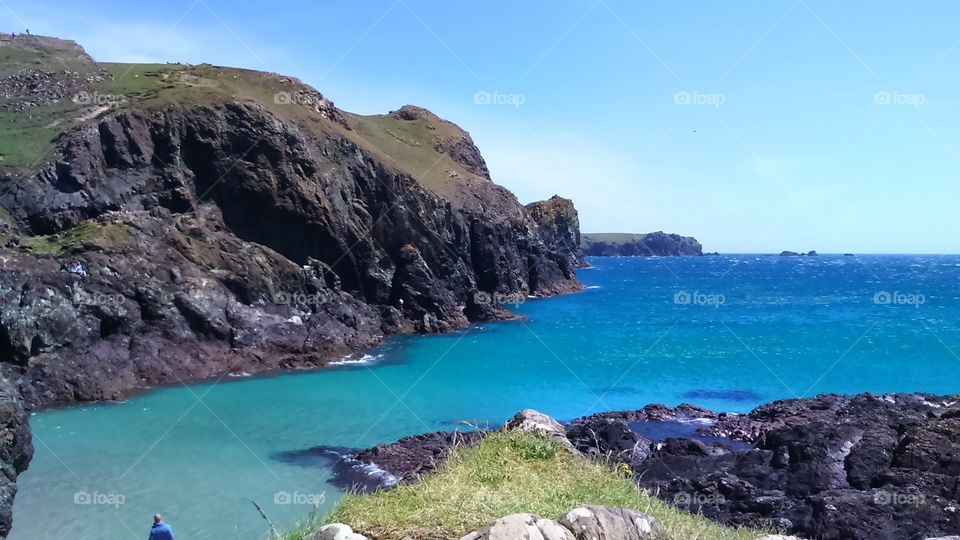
<point x="754" y="126"/>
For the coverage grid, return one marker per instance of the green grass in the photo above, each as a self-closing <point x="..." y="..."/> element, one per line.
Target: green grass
<point x="86" y="236"/>
<point x="27" y="137"/>
<point x="508" y="473"/>
<point x="610" y="238"/>
<point x="13" y="59"/>
<point x="409" y="144"/>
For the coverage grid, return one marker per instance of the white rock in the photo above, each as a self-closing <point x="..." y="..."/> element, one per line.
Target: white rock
<point x="525" y="526"/>
<point x="593" y="522"/>
<point x="533" y="421"/>
<point x="335" y="531"/>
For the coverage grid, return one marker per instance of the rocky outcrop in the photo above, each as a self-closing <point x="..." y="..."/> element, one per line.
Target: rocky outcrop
<point x="223" y="211"/>
<point x="227" y="235"/>
<point x="410" y="458"/>
<point x="559" y="224"/>
<point x="656" y="244"/>
<point x="830" y="467"/>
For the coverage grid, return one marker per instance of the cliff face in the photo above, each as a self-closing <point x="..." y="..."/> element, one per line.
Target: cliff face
<point x="559" y="224"/>
<point x="659" y="244"/>
<point x="245" y="226"/>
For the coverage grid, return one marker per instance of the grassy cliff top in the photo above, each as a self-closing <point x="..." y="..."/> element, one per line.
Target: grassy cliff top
<point x="508" y="473"/>
<point x="49" y="87"/>
<point x="611" y="238"/>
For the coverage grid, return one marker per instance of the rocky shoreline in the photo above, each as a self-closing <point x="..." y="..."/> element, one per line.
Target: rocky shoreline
<point x="831" y="467"/>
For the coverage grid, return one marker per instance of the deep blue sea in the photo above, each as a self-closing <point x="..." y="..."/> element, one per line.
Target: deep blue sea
<point x="725" y="332"/>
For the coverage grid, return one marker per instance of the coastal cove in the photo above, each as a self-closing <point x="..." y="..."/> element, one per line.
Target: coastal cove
<point x="727" y="333"/>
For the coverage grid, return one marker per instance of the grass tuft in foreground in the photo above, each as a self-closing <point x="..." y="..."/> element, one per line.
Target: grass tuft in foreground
<point x="508" y="473"/>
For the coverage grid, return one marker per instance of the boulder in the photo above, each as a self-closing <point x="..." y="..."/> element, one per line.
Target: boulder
<point x="594" y="522"/>
<point x="526" y="526"/>
<point x="533" y="421"/>
<point x="608" y="437"/>
<point x="335" y="531"/>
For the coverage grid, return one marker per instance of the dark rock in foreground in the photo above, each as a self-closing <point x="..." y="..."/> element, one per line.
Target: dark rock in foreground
<point x="830" y="467"/>
<point x="412" y="457"/>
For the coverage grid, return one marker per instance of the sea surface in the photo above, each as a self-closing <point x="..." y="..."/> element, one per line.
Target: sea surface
<point x="724" y="332"/>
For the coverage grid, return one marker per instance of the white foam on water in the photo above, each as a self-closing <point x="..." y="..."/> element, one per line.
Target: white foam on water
<point x="701" y="421"/>
<point x="386" y="478"/>
<point x="348" y="361"/>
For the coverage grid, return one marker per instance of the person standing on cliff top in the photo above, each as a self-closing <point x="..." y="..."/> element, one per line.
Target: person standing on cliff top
<point x="160" y="530"/>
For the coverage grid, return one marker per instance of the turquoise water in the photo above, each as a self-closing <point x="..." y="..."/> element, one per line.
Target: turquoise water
<point x="756" y="328"/>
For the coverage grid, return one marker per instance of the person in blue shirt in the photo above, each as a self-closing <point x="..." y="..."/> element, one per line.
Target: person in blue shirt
<point x="160" y="530"/>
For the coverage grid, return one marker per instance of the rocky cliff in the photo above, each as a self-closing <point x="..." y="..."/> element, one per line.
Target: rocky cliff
<point x="167" y="223"/>
<point x="656" y="244"/>
<point x="559" y="224"/>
